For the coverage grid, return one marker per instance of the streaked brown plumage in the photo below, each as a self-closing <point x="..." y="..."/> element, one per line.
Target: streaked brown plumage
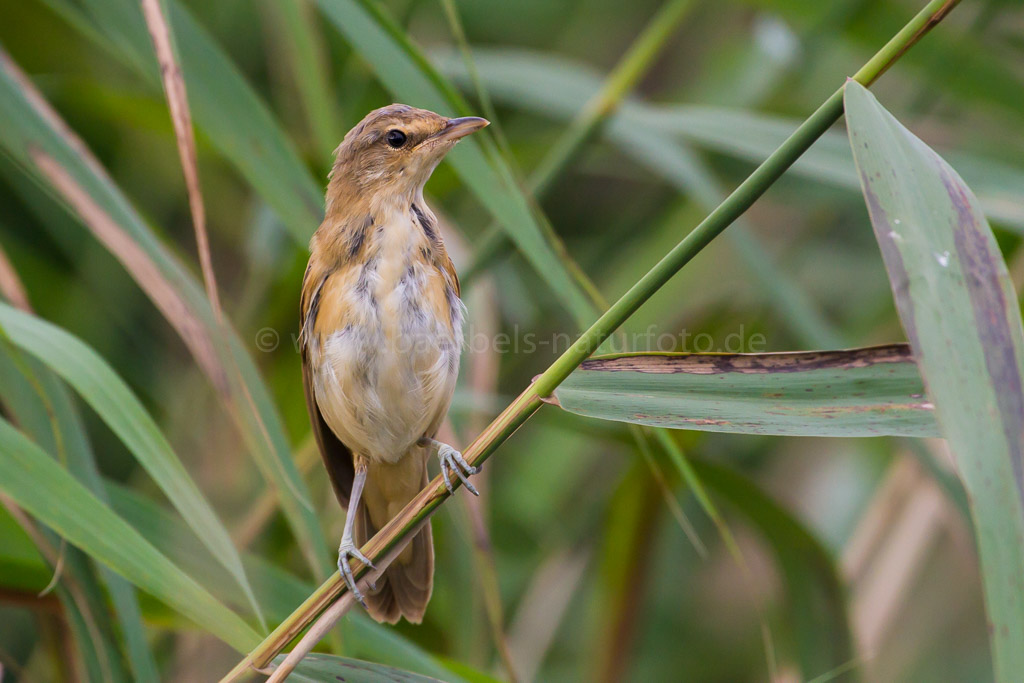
<point x="381" y="333"/>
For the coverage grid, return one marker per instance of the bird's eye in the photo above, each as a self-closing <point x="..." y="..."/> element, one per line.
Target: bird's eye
<point x="395" y="138"/>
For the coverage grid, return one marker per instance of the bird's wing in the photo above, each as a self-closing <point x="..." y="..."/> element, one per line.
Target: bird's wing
<point x="449" y="268"/>
<point x="336" y="456"/>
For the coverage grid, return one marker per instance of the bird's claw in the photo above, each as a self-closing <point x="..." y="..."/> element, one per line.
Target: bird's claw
<point x="347" y="550"/>
<point x="451" y="458"/>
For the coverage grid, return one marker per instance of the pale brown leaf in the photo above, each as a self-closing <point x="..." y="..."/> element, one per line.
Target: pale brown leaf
<point x="181" y="117"/>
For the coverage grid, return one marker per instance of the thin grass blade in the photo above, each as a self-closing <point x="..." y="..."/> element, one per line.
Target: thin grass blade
<point x="181" y="119"/>
<point x="304" y="48"/>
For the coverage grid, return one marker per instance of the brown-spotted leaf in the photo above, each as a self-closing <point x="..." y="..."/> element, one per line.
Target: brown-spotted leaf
<point x="859" y="392"/>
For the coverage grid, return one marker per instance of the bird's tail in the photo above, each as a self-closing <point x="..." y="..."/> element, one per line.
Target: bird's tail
<point x="404" y="589"/>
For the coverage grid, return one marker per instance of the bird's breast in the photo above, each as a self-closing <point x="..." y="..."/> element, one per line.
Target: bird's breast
<point x="386" y="344"/>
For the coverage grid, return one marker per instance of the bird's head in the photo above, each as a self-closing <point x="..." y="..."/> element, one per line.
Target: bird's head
<point x="394" y="149"/>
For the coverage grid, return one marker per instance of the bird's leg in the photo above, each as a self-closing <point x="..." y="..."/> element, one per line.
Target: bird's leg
<point x="451" y="458"/>
<point x="348" y="547"/>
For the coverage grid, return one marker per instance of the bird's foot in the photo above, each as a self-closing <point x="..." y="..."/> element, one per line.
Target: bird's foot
<point x="453" y="460"/>
<point x="345" y="552"/>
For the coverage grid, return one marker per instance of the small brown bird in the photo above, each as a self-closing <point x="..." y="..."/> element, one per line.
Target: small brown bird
<point x="381" y="335"/>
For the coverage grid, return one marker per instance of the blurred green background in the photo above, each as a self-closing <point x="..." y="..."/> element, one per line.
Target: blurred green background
<point x="598" y="580"/>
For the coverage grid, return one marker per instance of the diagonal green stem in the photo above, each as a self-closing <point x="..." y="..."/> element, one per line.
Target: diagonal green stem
<point x="633" y="65"/>
<point x="458" y="32"/>
<point x="527" y="403"/>
<point x="620" y="82"/>
<point x="303" y="46"/>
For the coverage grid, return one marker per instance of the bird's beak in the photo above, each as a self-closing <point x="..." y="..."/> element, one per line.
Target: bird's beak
<point x="460" y="128"/>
